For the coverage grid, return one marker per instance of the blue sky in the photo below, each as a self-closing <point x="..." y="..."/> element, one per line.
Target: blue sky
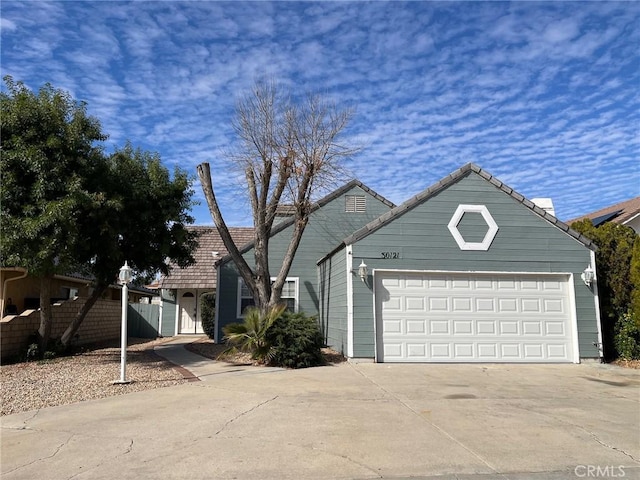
<point x="546" y="96"/>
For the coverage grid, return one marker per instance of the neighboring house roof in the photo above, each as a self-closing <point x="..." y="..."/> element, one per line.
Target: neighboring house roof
<point x="445" y="183"/>
<point x="320" y="203"/>
<point x="622" y="213"/>
<point x="202" y="274"/>
<point x="86" y="279"/>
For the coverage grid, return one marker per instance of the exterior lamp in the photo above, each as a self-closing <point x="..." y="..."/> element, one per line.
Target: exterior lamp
<point x="588" y="276"/>
<point x="363" y="272"/>
<point x="123" y="279"/>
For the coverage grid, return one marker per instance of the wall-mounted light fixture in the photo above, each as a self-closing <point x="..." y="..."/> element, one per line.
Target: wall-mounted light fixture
<point x="588" y="276"/>
<point x="363" y="272"/>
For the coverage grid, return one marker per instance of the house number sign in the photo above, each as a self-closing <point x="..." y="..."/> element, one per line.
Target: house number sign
<point x="390" y="255"/>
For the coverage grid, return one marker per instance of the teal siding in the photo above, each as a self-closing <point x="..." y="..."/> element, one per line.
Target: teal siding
<point x="524" y="243"/>
<point x="327" y="227"/>
<point x="168" y="313"/>
<point x="142" y="320"/>
<point x="333" y="306"/>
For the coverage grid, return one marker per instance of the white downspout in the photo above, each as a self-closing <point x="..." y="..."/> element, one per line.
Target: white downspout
<point x="597" y="302"/>
<point x="350" y="328"/>
<point x="4" y="286"/>
<point x="160" y="314"/>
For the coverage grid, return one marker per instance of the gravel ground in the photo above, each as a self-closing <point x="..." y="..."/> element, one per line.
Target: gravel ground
<point x="84" y="376"/>
<point x="90" y="374"/>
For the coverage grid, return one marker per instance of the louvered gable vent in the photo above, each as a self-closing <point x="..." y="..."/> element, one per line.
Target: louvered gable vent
<point x="355" y="203"/>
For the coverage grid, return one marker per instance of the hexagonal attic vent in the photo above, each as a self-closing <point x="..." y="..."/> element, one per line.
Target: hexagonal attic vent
<point x="492" y="227"/>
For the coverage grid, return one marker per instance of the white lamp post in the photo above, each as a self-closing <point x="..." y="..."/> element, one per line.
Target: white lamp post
<point x="123" y="279"/>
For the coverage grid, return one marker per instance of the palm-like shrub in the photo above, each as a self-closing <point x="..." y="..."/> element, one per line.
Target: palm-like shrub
<point x="251" y="335"/>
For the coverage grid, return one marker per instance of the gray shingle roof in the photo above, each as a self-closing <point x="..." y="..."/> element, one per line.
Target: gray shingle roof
<point x="202" y="274"/>
<point x="450" y="179"/>
<point x="618" y="213"/>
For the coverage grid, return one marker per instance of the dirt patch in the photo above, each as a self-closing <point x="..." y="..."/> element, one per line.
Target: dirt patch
<point x="627" y="363"/>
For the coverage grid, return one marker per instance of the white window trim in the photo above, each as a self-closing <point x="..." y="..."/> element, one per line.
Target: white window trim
<point x="239" y="297"/>
<point x="491" y="225"/>
<point x="573" y="313"/>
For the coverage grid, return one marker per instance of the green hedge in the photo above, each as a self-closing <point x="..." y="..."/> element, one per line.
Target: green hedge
<point x="618" y="270"/>
<point x="296" y="341"/>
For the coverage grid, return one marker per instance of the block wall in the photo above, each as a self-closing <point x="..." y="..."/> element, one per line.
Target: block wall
<point x="103" y="322"/>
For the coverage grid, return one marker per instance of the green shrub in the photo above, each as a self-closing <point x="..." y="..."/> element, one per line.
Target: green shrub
<point x="209" y="315"/>
<point x="628" y="337"/>
<point x="33" y="352"/>
<point x="296" y="341"/>
<point x="615" y="264"/>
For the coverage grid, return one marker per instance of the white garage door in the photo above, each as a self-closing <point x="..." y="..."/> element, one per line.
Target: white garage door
<point x="442" y="317"/>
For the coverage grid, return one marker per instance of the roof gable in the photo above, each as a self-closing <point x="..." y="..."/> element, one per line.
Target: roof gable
<point x="203" y="274"/>
<point x="278" y="227"/>
<point x="443" y="184"/>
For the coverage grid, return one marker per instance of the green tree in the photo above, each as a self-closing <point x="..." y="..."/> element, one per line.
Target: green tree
<point x="142" y="219"/>
<point x="615" y="279"/>
<point x="68" y="207"/>
<point x="49" y="149"/>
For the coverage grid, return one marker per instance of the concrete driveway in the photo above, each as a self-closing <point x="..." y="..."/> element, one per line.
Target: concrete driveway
<point x="347" y="421"/>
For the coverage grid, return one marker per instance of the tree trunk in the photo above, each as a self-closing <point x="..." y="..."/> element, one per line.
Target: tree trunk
<point x="44" y="332"/>
<point x="204" y="173"/>
<point x="73" y="327"/>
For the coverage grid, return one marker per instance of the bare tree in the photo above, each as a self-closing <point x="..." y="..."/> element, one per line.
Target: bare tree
<point x="288" y="151"/>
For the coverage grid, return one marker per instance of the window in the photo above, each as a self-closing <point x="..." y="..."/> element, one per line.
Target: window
<point x="355" y="203"/>
<point x="69" y="293"/>
<point x="289" y="295"/>
<point x="245" y="299"/>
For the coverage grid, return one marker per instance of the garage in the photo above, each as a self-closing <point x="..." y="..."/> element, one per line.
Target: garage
<point x="467" y="271"/>
<point x="463" y="317"/>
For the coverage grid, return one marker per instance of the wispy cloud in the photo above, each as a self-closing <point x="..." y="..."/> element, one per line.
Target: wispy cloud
<point x="543" y="95"/>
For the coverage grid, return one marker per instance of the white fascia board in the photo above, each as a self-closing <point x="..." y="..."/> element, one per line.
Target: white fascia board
<point x="575" y="345"/>
<point x="376" y="344"/>
<point x="483" y="272"/>
<point x="175" y="333"/>
<point x="349" y="262"/>
<point x="215" y="320"/>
